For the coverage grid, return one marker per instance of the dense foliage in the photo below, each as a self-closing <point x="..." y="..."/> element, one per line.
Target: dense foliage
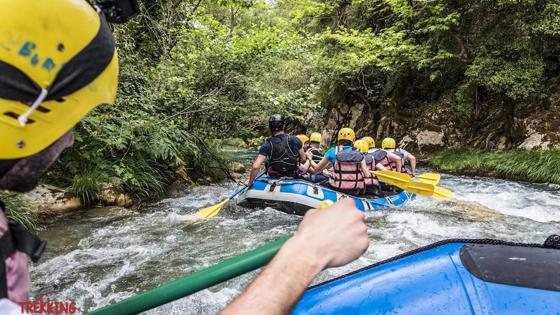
<point x="196" y="72"/>
<point x="192" y="74"/>
<point x="481" y="66"/>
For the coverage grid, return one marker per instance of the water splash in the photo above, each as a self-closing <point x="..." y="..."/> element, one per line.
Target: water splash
<point x="104" y="255"/>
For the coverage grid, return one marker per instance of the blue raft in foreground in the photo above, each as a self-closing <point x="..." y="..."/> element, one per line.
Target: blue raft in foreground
<point x="296" y="196"/>
<point x="450" y="277"/>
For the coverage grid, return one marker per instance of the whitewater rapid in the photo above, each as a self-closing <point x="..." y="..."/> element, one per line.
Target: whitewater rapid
<point x="103" y="255"/>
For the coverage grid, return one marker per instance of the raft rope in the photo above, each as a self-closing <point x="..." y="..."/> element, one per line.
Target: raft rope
<point x="552" y="241"/>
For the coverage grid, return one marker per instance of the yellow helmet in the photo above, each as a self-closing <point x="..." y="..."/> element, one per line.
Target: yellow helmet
<point x="388" y="143"/>
<point x="346" y="134"/>
<point x="303" y="138"/>
<point x="370" y="141"/>
<point x="316" y="137"/>
<point x="57" y="62"/>
<point x="361" y="145"/>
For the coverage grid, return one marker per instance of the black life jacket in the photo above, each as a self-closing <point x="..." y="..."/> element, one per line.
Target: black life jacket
<point x="282" y="161"/>
<point x="17" y="238"/>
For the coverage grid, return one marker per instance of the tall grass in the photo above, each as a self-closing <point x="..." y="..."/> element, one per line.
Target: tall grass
<point x="535" y="166"/>
<point x="17" y="210"/>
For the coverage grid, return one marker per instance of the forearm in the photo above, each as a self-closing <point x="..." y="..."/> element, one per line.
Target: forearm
<point x="253" y="174"/>
<point x="399" y="165"/>
<point x="281" y="283"/>
<point x="413" y="164"/>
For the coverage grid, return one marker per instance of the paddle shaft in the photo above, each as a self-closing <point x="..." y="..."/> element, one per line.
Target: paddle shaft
<point x="246" y="187"/>
<point x="195" y="282"/>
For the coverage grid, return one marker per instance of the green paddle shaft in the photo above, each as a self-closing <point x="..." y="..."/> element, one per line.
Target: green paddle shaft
<point x="195" y="282"/>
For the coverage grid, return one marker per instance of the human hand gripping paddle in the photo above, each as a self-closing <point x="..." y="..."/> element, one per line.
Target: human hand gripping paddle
<point x="425" y="187"/>
<point x="212" y="211"/>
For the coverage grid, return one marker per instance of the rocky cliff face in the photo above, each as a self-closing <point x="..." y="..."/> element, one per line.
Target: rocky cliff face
<point x="429" y="127"/>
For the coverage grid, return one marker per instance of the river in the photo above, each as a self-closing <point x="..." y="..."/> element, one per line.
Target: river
<point x="102" y="255"/>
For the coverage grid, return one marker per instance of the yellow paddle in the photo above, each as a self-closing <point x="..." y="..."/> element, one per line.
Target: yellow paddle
<point x="442" y="193"/>
<point x="393" y="178"/>
<point x="212" y="211"/>
<point x="439" y="192"/>
<point x="430" y="178"/>
<point x="404" y="182"/>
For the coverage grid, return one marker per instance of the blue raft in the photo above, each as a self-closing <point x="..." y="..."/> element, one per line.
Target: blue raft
<point x="450" y="277"/>
<point x="296" y="196"/>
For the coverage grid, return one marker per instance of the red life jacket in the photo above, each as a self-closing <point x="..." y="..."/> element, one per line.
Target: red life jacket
<point x="370" y="162"/>
<point x="347" y="173"/>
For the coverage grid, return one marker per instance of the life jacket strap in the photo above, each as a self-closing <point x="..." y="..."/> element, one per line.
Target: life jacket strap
<point x="17" y="238"/>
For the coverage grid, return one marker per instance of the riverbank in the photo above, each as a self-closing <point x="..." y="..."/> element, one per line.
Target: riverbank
<point x="539" y="166"/>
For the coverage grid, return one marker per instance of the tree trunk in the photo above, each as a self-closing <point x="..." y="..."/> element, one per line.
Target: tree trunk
<point x="342" y="14"/>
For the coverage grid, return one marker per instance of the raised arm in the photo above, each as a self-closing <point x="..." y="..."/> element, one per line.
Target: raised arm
<point x="412" y="161"/>
<point x="325" y="238"/>
<point x="319" y="167"/>
<point x="255" y="169"/>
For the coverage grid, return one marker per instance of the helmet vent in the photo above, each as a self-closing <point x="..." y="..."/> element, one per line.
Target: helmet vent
<point x="43" y="109"/>
<point x="16" y="116"/>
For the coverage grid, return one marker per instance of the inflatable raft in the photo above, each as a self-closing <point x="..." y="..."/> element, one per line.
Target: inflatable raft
<point x="295" y="196"/>
<point x="450" y="277"/>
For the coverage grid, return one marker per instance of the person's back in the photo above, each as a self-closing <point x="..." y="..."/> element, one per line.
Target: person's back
<point x="347" y="174"/>
<point x="282" y="155"/>
<point x="407" y="159"/>
<point x="371" y="184"/>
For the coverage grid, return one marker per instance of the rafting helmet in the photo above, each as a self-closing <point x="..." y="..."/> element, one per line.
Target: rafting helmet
<point x="370" y="141"/>
<point x="57" y="62"/>
<point x="276" y="122"/>
<point x="361" y="145"/>
<point x="346" y="134"/>
<point x="388" y="143"/>
<point x="316" y="137"/>
<point x="304" y="139"/>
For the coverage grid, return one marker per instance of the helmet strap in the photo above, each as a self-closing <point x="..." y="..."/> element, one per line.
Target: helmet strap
<point x="25" y="117"/>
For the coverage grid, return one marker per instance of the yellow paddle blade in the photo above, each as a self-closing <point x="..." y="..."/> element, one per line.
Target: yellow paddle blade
<point x="211" y="211"/>
<point x="442" y="193"/>
<point x="393" y="178"/>
<point x="404" y="182"/>
<point x="430" y="178"/>
<point x="419" y="188"/>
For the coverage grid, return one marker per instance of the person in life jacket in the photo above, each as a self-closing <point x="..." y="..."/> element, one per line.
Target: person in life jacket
<point x="283" y="154"/>
<point x="349" y="166"/>
<point x="305" y="140"/>
<point x="50" y="77"/>
<point x="371" y="184"/>
<point x="315" y="152"/>
<point x="390" y="161"/>
<point x="389" y="145"/>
